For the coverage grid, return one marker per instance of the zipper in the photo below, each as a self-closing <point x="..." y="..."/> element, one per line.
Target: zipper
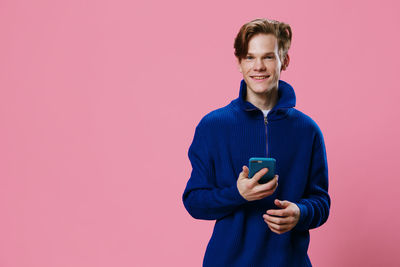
<point x="266" y="135"/>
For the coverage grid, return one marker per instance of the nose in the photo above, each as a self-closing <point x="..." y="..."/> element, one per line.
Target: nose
<point x="259" y="65"/>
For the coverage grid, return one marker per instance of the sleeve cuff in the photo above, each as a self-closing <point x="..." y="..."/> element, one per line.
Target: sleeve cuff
<point x="302" y="223"/>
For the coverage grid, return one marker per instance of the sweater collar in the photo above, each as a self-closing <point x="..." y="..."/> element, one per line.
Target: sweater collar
<point x="286" y="97"/>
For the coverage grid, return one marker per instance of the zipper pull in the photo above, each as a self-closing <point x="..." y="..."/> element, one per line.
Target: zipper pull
<point x="265" y="120"/>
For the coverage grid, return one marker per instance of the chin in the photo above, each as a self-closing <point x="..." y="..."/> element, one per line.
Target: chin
<point x="261" y="90"/>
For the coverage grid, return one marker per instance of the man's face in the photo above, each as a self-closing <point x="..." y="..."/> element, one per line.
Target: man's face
<point x="261" y="66"/>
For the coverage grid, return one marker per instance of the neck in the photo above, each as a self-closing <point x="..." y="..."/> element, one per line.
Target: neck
<point x="264" y="101"/>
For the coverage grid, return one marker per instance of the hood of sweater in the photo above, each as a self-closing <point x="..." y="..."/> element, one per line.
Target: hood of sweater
<point x="286" y="100"/>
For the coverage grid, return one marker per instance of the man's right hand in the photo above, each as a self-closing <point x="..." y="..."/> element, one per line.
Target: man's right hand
<point x="250" y="189"/>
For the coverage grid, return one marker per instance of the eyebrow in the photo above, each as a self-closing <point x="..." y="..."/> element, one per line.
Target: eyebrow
<point x="268" y="53"/>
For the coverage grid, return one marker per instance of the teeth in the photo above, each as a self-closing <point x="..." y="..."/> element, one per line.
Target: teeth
<point x="259" y="77"/>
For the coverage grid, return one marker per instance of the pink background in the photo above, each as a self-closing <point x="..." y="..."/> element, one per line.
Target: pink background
<point x="98" y="105"/>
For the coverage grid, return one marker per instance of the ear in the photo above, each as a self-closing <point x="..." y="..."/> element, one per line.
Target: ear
<point x="285" y="62"/>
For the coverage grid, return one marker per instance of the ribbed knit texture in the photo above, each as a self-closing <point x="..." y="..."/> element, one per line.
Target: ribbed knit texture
<point x="224" y="141"/>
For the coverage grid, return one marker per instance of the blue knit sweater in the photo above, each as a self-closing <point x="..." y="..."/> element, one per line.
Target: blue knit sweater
<point x="223" y="142"/>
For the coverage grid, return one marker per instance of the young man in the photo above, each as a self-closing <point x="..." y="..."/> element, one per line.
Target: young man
<point x="259" y="224"/>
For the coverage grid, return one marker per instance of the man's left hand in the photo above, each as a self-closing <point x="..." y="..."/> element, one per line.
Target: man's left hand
<point x="282" y="220"/>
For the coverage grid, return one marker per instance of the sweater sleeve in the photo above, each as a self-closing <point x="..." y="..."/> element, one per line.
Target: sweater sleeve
<point x="315" y="205"/>
<point x="202" y="198"/>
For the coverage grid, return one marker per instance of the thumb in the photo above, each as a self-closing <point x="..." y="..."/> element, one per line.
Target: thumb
<point x="282" y="204"/>
<point x="245" y="171"/>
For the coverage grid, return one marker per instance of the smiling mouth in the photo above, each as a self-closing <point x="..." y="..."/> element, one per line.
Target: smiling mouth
<point x="260" y="77"/>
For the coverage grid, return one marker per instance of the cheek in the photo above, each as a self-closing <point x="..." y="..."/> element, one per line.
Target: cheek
<point x="274" y="67"/>
<point x="245" y="68"/>
<point x="240" y="67"/>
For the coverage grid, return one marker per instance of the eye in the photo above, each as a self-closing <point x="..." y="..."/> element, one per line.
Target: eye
<point x="269" y="57"/>
<point x="249" y="57"/>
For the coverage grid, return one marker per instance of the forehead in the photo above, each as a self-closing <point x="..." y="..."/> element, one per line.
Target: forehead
<point x="263" y="43"/>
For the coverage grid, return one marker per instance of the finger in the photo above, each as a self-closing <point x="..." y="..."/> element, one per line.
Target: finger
<point x="278" y="228"/>
<point x="282" y="204"/>
<point x="271" y="185"/>
<point x="278" y="220"/>
<point x="275" y="226"/>
<point x="245" y="171"/>
<point x="259" y="175"/>
<point x="265" y="193"/>
<point x="244" y="174"/>
<point x="280" y="213"/>
<point x="273" y="230"/>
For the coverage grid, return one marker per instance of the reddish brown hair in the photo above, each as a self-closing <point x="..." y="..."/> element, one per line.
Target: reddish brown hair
<point x="280" y="30"/>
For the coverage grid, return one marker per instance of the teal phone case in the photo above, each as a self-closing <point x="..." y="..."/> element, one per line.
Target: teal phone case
<point x="256" y="164"/>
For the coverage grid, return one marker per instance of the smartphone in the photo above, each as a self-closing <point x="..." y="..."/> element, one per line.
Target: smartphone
<point x="256" y="164"/>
